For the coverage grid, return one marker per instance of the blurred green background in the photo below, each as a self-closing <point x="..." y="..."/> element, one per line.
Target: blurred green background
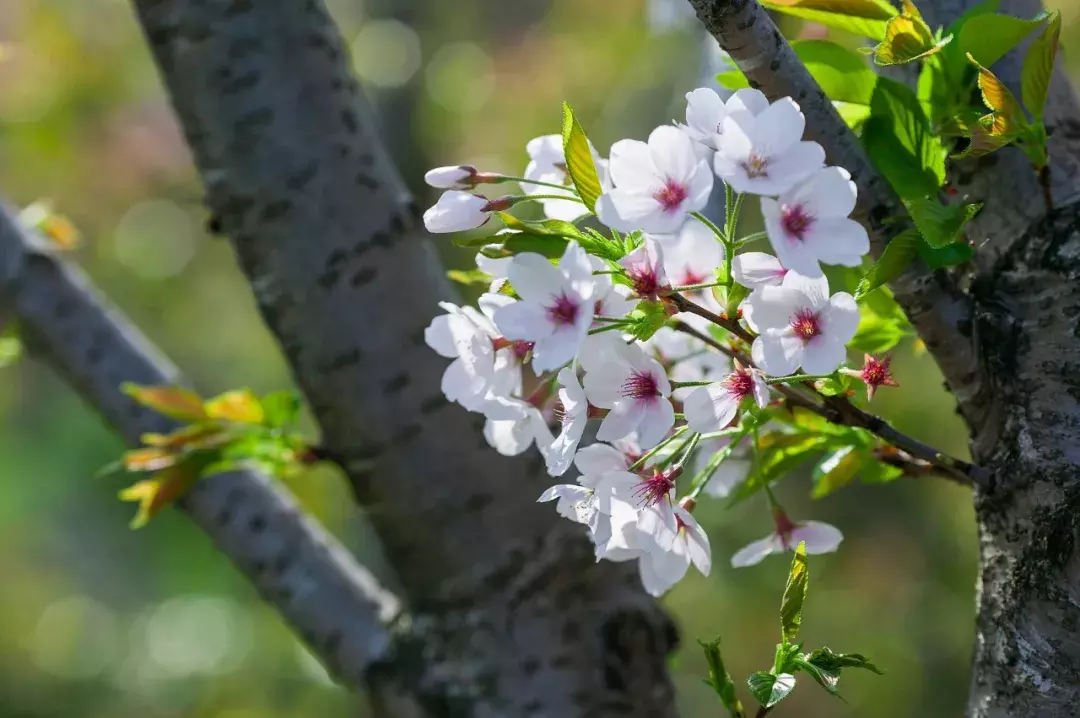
<point x="98" y="621"/>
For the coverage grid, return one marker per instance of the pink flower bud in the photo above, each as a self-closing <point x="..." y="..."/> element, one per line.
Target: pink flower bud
<point x="454" y="177"/>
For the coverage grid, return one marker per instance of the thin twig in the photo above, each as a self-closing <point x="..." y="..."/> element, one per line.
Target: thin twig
<point x="836" y="409"/>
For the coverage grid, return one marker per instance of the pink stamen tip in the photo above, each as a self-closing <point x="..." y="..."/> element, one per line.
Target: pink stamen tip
<point x="671" y="196"/>
<point x="795" y="221"/>
<point x="690" y="279"/>
<point x="646" y="283"/>
<point x="756" y="167"/>
<point x="653" y="489"/>
<point x="563" y="311"/>
<point x="739" y="384"/>
<point x="641" y="386"/>
<point x="805" y="324"/>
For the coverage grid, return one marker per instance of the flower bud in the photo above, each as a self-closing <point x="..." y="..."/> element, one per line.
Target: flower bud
<point x="456" y="212"/>
<point x="453" y="177"/>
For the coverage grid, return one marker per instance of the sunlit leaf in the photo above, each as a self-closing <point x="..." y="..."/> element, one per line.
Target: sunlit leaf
<point x="1008" y="116"/>
<point x="941" y="224"/>
<point x="172" y="401"/>
<point x="842" y="73"/>
<point x="469" y="277"/>
<point x="798" y="583"/>
<point x="160" y="490"/>
<point x="837" y="470"/>
<point x="939" y="258"/>
<point x="190" y="437"/>
<point x="579" y="159"/>
<point x="240" y="406"/>
<point x="835" y="662"/>
<point x="907" y="38"/>
<point x="280" y="408"/>
<point x="149" y="459"/>
<point x="900" y="142"/>
<point x="867" y="18"/>
<point x="769" y="689"/>
<point x="989" y="37"/>
<point x="1039" y="67"/>
<point x="899" y="253"/>
<point x="58" y="229"/>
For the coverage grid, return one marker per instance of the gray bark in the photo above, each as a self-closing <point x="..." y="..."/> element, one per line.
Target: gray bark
<point x="509" y="614"/>
<point x="334" y="604"/>
<point x="1009" y="347"/>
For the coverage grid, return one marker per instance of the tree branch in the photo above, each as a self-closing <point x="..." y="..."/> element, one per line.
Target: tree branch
<point x="939" y="311"/>
<point x="335" y="605"/>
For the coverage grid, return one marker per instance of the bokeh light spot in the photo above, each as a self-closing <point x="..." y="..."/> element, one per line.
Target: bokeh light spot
<point x="461" y="77"/>
<point x="155" y="239"/>
<point x="386" y="53"/>
<point x="75" y="638"/>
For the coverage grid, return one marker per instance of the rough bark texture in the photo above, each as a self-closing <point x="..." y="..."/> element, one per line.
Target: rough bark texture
<point x="334" y="604"/>
<point x="1010" y="351"/>
<point x="509" y="614"/>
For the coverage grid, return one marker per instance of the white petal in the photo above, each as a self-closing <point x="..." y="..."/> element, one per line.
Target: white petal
<point x="757" y="269"/>
<point x="840" y="319"/>
<point x="697" y="543"/>
<point x="673" y="154"/>
<point x="455" y="212"/>
<point x="658" y="522"/>
<point x="795" y="164"/>
<point x="553" y="351"/>
<point x="448" y="177"/>
<point x="509" y="438"/>
<point x="604" y="388"/>
<point x="699" y="187"/>
<point x="623" y="419"/>
<point x="755" y="551"/>
<point x="829" y="192"/>
<point x="820" y="537"/>
<point x="761" y="390"/>
<point x="631" y="167"/>
<point x="778" y="128"/>
<point x="627" y="210"/>
<point x="748" y="100"/>
<point x="814" y="290"/>
<point x="597" y="459"/>
<point x="710" y="408"/>
<point x="773" y="307"/>
<point x="438" y="337"/>
<point x="838" y="241"/>
<point x="576" y="267"/>
<point x="534" y="278"/>
<point x="705" y="111"/>
<point x="823" y="355"/>
<point x="656" y="421"/>
<point x="777" y="354"/>
<point x="523" y="320"/>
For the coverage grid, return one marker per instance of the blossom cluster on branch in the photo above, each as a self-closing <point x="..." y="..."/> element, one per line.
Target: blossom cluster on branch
<point x="660" y="324"/>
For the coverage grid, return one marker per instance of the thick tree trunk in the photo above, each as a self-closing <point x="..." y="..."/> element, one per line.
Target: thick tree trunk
<point x="509" y="614"/>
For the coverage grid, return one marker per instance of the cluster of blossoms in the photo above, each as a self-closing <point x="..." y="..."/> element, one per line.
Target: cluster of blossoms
<point x="606" y="335"/>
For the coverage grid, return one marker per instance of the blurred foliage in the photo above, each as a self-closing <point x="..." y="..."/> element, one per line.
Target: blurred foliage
<point x="102" y="622"/>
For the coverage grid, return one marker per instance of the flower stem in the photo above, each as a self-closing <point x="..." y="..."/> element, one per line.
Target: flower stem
<point x="689" y="450"/>
<point x="709" y="223"/>
<point x="608" y="328"/>
<point x="522" y="180"/>
<point x="696" y="287"/>
<point x="794" y="378"/>
<point x="568" y="198"/>
<point x="685" y="384"/>
<point x="751" y="238"/>
<point x="652" y="452"/>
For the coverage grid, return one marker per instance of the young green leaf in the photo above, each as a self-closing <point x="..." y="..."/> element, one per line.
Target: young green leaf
<point x="769" y="689"/>
<point x="280" y="408"/>
<point x="900" y="142"/>
<point x="1039" y="67"/>
<point x="878" y="334"/>
<point x="239" y="406"/>
<point x="837" y="470"/>
<point x="579" y="159"/>
<point x="162" y="489"/>
<point x="989" y="37"/>
<point x="878" y="472"/>
<point x="899" y="253"/>
<point x="781" y="453"/>
<point x="647" y="319"/>
<point x="907" y="38"/>
<point x="469" y="277"/>
<point x="172" y="401"/>
<point x="795" y="594"/>
<point x="867" y="18"/>
<point x="941" y="224"/>
<point x="825" y="679"/>
<point x="938" y="258"/>
<point x="826" y="659"/>
<point x="1008" y="116"/>
<point x="719" y="679"/>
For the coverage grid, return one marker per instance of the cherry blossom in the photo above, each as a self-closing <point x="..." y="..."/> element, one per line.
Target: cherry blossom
<point x="706" y="112"/>
<point x="547" y="163"/>
<point x="513" y="436"/>
<point x="763" y="154"/>
<point x="692" y="255"/>
<point x="809" y="224"/>
<point x="641" y="509"/>
<point x="712" y="408"/>
<point x="686" y="358"/>
<point x="556" y="307"/>
<point x="801" y="325"/>
<point x="656" y="184"/>
<point x="661" y="569"/>
<point x="458" y="211"/>
<point x="645" y="270"/>
<point x="819" y="538"/>
<point x="454" y="177"/>
<point x="574" y="415"/>
<point x="497" y="267"/>
<point x="623" y="378"/>
<point x="757" y="269"/>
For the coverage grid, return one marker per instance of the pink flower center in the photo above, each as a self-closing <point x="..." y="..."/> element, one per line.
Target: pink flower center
<point x="876" y="371"/>
<point x="784" y="528"/>
<point x="645" y="280"/>
<point x="805" y="324"/>
<point x="795" y="221"/>
<point x="641" y="386"/>
<point x="671" y="196"/>
<point x="756" y="166"/>
<point x="691" y="278"/>
<point x="563" y="312"/>
<point x="653" y="489"/>
<point x="739" y="384"/>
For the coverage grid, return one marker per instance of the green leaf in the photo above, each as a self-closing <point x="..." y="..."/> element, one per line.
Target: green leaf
<point x="940" y="224"/>
<point x="732" y="79"/>
<point x="280" y="408"/>
<point x="878" y="472"/>
<point x="900" y="143"/>
<point x="795" y="594"/>
<point x="826" y="679"/>
<point x="579" y="159"/>
<point x="172" y="401"/>
<point x="547" y="245"/>
<point x="1039" y="67"/>
<point x="877" y="334"/>
<point x="907" y="38"/>
<point x="837" y="470"/>
<point x="899" y="253"/>
<point x="769" y="689"/>
<point x="647" y="318"/>
<point x="1008" y="117"/>
<point x="826" y="659"/>
<point x="867" y="18"/>
<point x="603" y="247"/>
<point x="780" y="453"/>
<point x="941" y="257"/>
<point x="11" y="347"/>
<point x="835" y="385"/>
<point x="989" y="37"/>
<point x="469" y="277"/>
<point x="842" y="73"/>
<point x="853" y="115"/>
<point x="719" y="679"/>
